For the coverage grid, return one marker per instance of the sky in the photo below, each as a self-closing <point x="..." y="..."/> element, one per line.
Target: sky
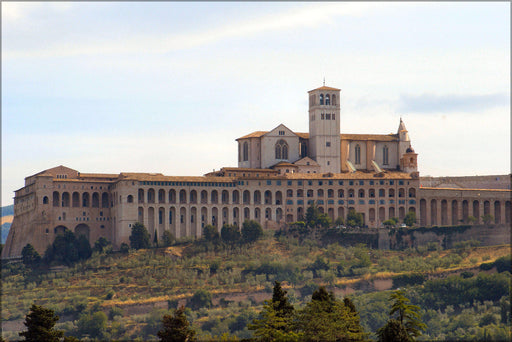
<point x="110" y="87"/>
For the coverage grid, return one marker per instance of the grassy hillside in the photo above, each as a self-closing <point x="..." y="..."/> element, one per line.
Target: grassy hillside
<point x="136" y="289"/>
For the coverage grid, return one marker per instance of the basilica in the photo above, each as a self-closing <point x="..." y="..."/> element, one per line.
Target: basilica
<point x="280" y="173"/>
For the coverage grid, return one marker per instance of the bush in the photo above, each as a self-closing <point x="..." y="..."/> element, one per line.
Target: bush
<point x="200" y="299"/>
<point x="139" y="238"/>
<point x="125" y="249"/>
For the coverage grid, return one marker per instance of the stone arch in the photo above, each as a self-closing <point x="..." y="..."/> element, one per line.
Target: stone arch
<point x="225" y="197"/>
<point x="401" y="213"/>
<point x="140" y="196"/>
<point x="268" y="197"/>
<point x="129" y="199"/>
<point x="95" y="203"/>
<point x="204" y="217"/>
<point x="444" y="212"/>
<point x="257" y="214"/>
<point x="65" y="199"/>
<point x="45" y="200"/>
<point x="476" y="210"/>
<point x="225" y="216"/>
<point x="75" y="199"/>
<point x="161" y="196"/>
<point x="351" y="193"/>
<point x="236" y="216"/>
<point x="330" y="213"/>
<point x="360" y="193"/>
<point x="215" y="217"/>
<point x="235" y="197"/>
<point x="497" y="212"/>
<point x="487" y="208"/>
<point x="151" y="222"/>
<point x="371" y="193"/>
<point x="508" y="212"/>
<point x="300" y="213"/>
<point x="382" y="214"/>
<point x="391" y="212"/>
<point x="289" y="218"/>
<point x="214" y="197"/>
<point x="204" y="197"/>
<point x="320" y="193"/>
<point x="56" y="199"/>
<point x="401" y="192"/>
<point x="423" y="212"/>
<point x="371" y="215"/>
<point x="300" y="193"/>
<point x="246" y="151"/>
<point x="194" y="227"/>
<point x="330" y="193"/>
<point x="247" y="213"/>
<point x="246" y="197"/>
<point x="268" y="214"/>
<point x="391" y="193"/>
<point x="104" y="200"/>
<point x="465" y="211"/>
<point x="172" y="220"/>
<point x="455" y="212"/>
<point x="151" y="195"/>
<point x="172" y="196"/>
<point x="193" y="197"/>
<point x="412" y="192"/>
<point x="85" y="200"/>
<point x="257" y="197"/>
<point x="183" y="222"/>
<point x="279" y="214"/>
<point x="59" y="230"/>
<point x="433" y="212"/>
<point x="341" y="212"/>
<point x="341" y="193"/>
<point x="279" y="197"/>
<point x="309" y="193"/>
<point x="82" y="229"/>
<point x="161" y="219"/>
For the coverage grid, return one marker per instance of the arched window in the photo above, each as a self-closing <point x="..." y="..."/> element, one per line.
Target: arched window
<point x="281" y="150"/>
<point x="246" y="151"/>
<point x="358" y="154"/>
<point x="327" y="100"/>
<point x="333" y="100"/>
<point x="321" y="99"/>
<point x="385" y="155"/>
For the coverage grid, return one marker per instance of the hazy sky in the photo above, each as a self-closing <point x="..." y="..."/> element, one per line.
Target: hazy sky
<point x="168" y="86"/>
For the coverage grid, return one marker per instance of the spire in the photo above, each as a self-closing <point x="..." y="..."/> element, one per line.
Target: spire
<point x="401" y="127"/>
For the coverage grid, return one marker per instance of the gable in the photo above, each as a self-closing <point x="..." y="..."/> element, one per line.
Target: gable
<point x="280" y="131"/>
<point x="304" y="162"/>
<point x="59" y="171"/>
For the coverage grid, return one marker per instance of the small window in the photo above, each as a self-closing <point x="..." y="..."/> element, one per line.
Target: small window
<point x="328" y="144"/>
<point x="327" y="116"/>
<point x="334" y="116"/>
<point x="322" y="116"/>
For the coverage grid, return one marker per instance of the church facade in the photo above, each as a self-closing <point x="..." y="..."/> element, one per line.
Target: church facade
<point x="280" y="173"/>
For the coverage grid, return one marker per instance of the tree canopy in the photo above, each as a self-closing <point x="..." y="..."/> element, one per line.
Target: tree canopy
<point x="40" y="324"/>
<point x="139" y="237"/>
<point x="30" y="256"/>
<point x="251" y="231"/>
<point x="176" y="328"/>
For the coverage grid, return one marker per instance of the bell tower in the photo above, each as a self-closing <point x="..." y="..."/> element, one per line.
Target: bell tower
<point x="324" y="128"/>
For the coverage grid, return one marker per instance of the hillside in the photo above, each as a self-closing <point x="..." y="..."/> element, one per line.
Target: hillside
<point x="136" y="289"/>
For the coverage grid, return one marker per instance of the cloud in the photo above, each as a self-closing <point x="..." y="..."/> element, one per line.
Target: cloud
<point x="428" y="103"/>
<point x="303" y="17"/>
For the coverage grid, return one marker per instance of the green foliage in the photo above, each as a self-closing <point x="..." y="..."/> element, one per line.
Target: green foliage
<point x="230" y="234"/>
<point x="504" y="264"/>
<point x="393" y="331"/>
<point x="139" y="238"/>
<point x="410" y="219"/>
<point x="167" y="238"/>
<point x="390" y="223"/>
<point x="408" y="314"/>
<point x="408" y="279"/>
<point x="30" y="256"/>
<point x="67" y="249"/>
<point x="200" y="299"/>
<point x="325" y="318"/>
<point x="315" y="219"/>
<point x="251" y="231"/>
<point x="40" y="324"/>
<point x="92" y="325"/>
<point x="101" y="244"/>
<point x="124" y="248"/>
<point x="176" y="328"/>
<point x="210" y="233"/>
<point x="487" y="218"/>
<point x="275" y="322"/>
<point x="354" y="219"/>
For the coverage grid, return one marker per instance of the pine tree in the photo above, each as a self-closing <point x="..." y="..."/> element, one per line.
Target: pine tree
<point x="40" y="322"/>
<point x="30" y="256"/>
<point x="176" y="328"/>
<point x="140" y="236"/>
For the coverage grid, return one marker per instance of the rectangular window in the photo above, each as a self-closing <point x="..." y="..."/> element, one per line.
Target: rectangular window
<point x="340" y="182"/>
<point x="328" y="144"/>
<point x="391" y="182"/>
<point x="334" y="116"/>
<point x="269" y="182"/>
<point x="400" y="182"/>
<point x="351" y="182"/>
<point x="322" y="116"/>
<point x="299" y="183"/>
<point x="278" y="182"/>
<point x="310" y="182"/>
<point x="327" y="116"/>
<point x="361" y="182"/>
<point x="289" y="183"/>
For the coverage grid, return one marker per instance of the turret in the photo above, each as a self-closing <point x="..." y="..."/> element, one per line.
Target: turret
<point x="404" y="142"/>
